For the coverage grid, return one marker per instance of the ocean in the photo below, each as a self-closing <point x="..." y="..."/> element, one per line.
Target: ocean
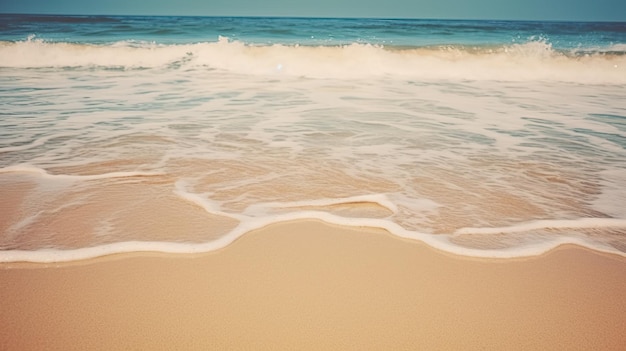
<point x="181" y="134"/>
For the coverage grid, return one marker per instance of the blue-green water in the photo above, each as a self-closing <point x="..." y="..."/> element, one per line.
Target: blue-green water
<point x="598" y="36"/>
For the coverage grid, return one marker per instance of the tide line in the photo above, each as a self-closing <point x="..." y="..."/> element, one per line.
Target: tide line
<point x="437" y="241"/>
<point x="26" y="168"/>
<point x="580" y="223"/>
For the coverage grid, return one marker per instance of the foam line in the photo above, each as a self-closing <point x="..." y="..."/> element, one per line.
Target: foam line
<point x="24" y="168"/>
<point x="533" y="60"/>
<point x="379" y="199"/>
<point x="199" y="200"/>
<point x="581" y="223"/>
<point x="440" y="242"/>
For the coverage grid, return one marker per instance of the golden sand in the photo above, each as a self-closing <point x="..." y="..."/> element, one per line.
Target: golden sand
<point x="310" y="285"/>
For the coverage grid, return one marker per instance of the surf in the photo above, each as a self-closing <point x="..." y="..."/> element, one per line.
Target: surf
<point x="532" y="60"/>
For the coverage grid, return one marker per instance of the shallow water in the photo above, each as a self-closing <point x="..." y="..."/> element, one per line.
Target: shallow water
<point x="499" y="142"/>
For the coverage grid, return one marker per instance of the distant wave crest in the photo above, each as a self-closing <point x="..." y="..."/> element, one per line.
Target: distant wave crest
<point x="533" y="60"/>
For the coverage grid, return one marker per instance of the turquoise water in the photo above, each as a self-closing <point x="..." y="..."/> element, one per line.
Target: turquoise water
<point x="598" y="36"/>
<point x="180" y="134"/>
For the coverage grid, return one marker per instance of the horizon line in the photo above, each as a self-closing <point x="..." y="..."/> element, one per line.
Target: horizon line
<point x="309" y="17"/>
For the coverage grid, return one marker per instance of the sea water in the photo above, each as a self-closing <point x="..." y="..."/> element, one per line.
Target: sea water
<point x="181" y="134"/>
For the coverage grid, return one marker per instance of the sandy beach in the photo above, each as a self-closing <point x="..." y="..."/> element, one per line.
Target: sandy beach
<point x="310" y="285"/>
<point x="219" y="180"/>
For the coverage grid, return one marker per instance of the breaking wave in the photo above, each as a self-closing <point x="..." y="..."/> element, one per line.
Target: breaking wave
<point x="533" y="60"/>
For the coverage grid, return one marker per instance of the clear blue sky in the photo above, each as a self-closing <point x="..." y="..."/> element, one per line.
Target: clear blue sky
<point x="576" y="10"/>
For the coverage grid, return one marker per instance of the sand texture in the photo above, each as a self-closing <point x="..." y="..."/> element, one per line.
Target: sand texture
<point x="309" y="285"/>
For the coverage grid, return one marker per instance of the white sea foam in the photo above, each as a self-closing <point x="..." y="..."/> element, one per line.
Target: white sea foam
<point x="580" y="223"/>
<point x="379" y="199"/>
<point x="440" y="242"/>
<point x="25" y="168"/>
<point x="534" y="60"/>
<point x="211" y="207"/>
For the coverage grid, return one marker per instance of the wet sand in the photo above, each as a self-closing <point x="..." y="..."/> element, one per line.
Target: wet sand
<point x="310" y="285"/>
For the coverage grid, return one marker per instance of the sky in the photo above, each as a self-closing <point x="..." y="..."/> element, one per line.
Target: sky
<point x="569" y="10"/>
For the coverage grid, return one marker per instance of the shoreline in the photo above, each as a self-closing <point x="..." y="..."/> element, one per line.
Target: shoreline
<point x="311" y="285"/>
<point x="437" y="242"/>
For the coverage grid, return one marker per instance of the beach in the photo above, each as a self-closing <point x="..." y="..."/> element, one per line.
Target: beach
<point x="310" y="285"/>
<point x="189" y="182"/>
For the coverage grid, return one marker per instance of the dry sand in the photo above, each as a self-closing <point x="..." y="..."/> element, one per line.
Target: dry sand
<point x="310" y="285"/>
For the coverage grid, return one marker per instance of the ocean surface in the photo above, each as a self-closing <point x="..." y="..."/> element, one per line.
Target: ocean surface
<point x="181" y="134"/>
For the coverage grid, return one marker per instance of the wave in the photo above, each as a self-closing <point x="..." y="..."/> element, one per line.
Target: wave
<point x="533" y="60"/>
<point x="264" y="214"/>
<point x="438" y="241"/>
